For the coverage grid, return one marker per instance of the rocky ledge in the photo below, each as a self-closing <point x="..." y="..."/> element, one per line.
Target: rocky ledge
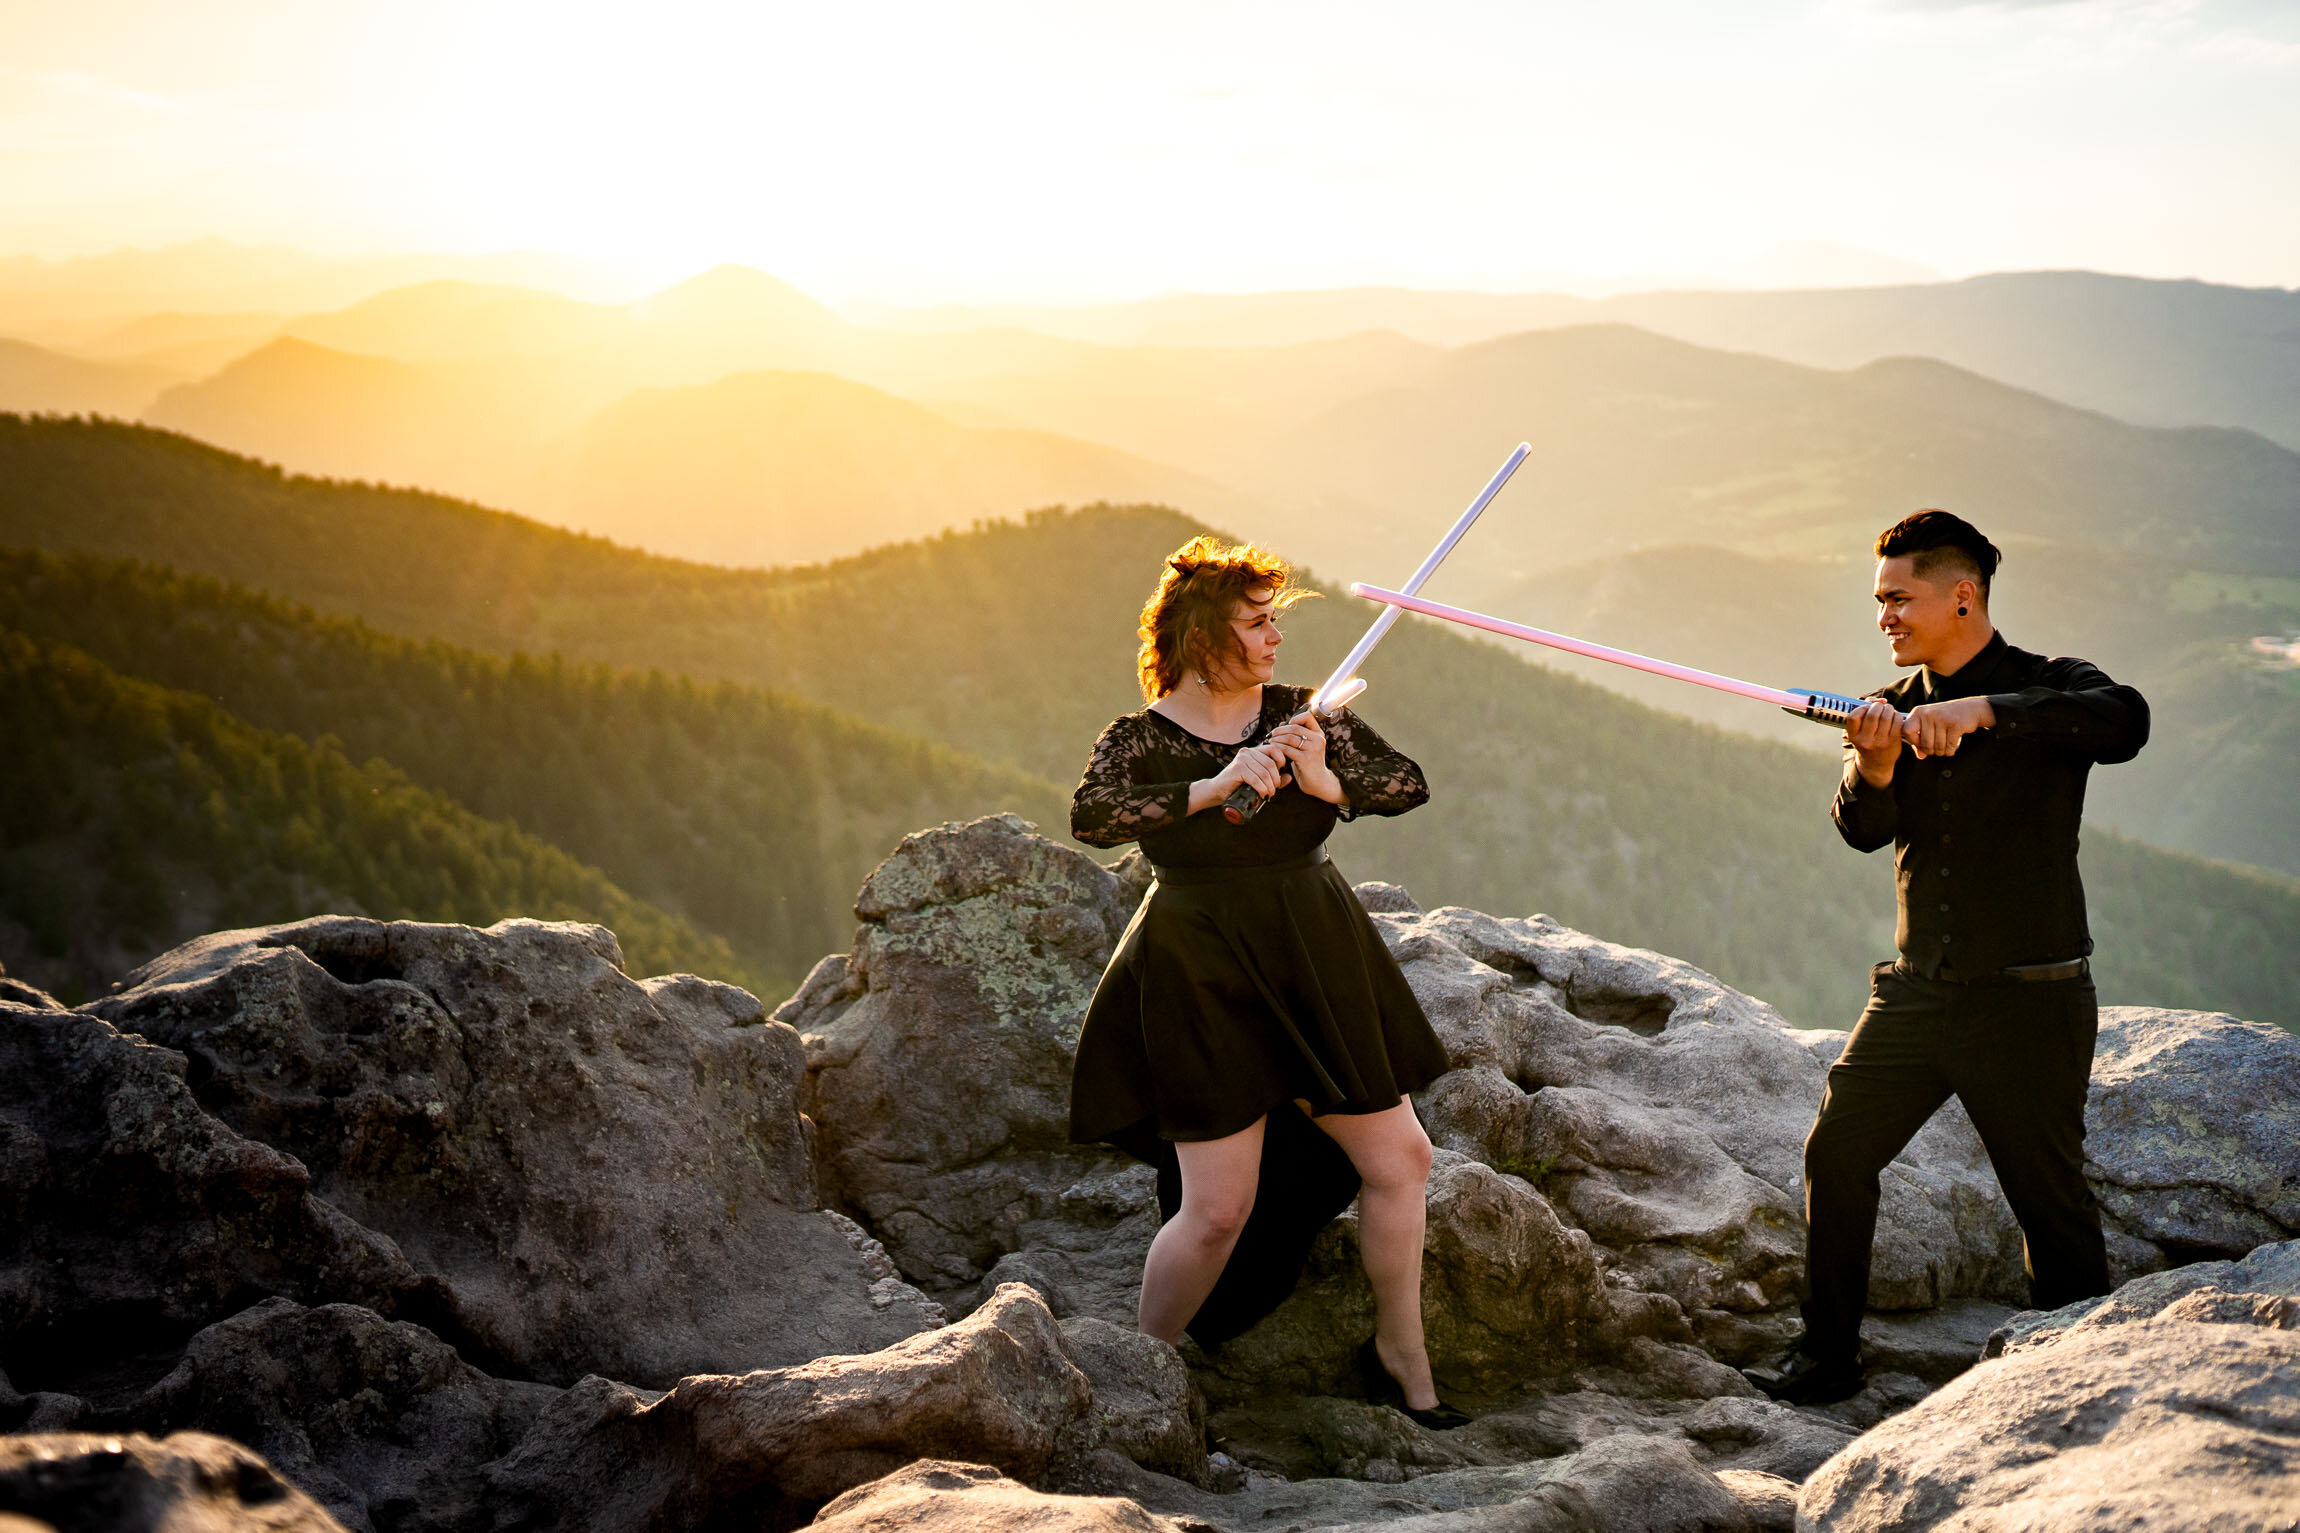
<point x="399" y="1227"/>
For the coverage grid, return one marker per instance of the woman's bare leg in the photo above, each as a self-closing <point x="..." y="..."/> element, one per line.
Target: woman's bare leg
<point x="1392" y="1155"/>
<point x="1218" y="1181"/>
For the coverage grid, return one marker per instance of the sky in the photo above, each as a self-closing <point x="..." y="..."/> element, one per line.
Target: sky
<point x="1005" y="150"/>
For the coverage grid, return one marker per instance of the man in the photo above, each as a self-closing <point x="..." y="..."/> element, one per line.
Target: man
<point x="1991" y="1000"/>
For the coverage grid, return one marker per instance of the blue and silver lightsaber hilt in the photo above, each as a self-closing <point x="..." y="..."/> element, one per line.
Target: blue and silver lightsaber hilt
<point x="1830" y="708"/>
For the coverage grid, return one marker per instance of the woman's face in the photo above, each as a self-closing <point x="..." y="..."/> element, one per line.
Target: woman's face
<point x="1254" y="624"/>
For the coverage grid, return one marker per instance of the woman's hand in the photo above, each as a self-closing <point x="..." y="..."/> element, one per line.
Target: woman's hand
<point x="1260" y="767"/>
<point x="1303" y="741"/>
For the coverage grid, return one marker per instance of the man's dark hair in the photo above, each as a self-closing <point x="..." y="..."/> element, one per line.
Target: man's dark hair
<point x="1937" y="540"/>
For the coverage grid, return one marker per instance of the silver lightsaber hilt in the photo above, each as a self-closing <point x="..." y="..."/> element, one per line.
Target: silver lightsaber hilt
<point x="1830" y="708"/>
<point x="1244" y="803"/>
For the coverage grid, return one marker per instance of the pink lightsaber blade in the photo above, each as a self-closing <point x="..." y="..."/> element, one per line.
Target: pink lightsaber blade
<point x="1830" y="708"/>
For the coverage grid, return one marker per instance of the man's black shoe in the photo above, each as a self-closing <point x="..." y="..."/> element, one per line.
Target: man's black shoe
<point x="1802" y="1379"/>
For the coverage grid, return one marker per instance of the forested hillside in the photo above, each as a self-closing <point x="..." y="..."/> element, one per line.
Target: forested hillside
<point x="136" y="817"/>
<point x="753" y="815"/>
<point x="1014" y="642"/>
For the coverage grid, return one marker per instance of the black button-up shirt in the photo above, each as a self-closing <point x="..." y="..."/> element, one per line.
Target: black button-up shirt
<point x="1984" y="842"/>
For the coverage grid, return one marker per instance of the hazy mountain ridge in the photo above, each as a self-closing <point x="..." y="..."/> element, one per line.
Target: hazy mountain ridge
<point x="1015" y="642"/>
<point x="34" y="378"/>
<point x="782" y="468"/>
<point x="2170" y="353"/>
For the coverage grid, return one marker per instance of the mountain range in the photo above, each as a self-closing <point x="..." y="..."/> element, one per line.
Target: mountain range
<point x="2165" y="353"/>
<point x="1012" y="642"/>
<point x="734" y="420"/>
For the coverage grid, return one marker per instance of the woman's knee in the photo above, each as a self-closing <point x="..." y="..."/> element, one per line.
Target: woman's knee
<point x="1401" y="1161"/>
<point x="1216" y="1219"/>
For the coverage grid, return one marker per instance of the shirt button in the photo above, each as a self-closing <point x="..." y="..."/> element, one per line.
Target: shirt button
<point x="1948" y="771"/>
<point x="1945" y="941"/>
<point x="1944" y="872"/>
<point x="1944" y="910"/>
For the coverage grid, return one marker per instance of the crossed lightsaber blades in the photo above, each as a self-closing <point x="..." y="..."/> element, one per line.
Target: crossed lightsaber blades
<point x="1344" y="685"/>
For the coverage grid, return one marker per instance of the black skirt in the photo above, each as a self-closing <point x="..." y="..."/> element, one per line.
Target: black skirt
<point x="1236" y="990"/>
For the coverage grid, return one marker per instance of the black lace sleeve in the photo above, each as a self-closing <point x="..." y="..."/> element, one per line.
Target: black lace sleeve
<point x="1377" y="776"/>
<point x="1110" y="808"/>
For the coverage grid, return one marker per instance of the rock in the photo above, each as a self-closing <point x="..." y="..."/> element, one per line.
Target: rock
<point x="600" y="1175"/>
<point x="131" y="1484"/>
<point x="2193" y="1132"/>
<point x="769" y="1448"/>
<point x="1665" y="1114"/>
<point x="937" y="1496"/>
<point x="2256" y="1290"/>
<point x="1509" y="1294"/>
<point x="1386" y="899"/>
<point x="2162" y="1423"/>
<point x="1623" y="1484"/>
<point x="381" y="1422"/>
<point x="938" y="1061"/>
<point x="1934" y="1345"/>
<point x="1768" y="1502"/>
<point x="1144" y="1403"/>
<point x="1761" y="1437"/>
<point x="131" y="1218"/>
<point x="17" y="993"/>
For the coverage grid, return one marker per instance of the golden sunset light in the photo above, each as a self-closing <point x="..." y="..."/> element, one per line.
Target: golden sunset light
<point x="1189" y="768"/>
<point x="920" y="153"/>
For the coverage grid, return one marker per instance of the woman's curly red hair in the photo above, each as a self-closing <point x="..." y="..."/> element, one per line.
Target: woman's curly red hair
<point x="1185" y="624"/>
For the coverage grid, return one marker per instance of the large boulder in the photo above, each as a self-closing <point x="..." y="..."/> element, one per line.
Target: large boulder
<point x="130" y="1217"/>
<point x="2193" y="1134"/>
<point x="189" y="1483"/>
<point x="938" y="1060"/>
<point x="381" y="1422"/>
<point x="599" y="1174"/>
<point x="767" y="1449"/>
<point x="1665" y="1114"/>
<point x="2169" y="1405"/>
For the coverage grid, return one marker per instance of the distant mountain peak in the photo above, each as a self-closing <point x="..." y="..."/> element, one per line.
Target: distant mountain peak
<point x="730" y="291"/>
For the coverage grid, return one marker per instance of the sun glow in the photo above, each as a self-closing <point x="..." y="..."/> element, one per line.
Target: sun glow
<point x="1013" y="149"/>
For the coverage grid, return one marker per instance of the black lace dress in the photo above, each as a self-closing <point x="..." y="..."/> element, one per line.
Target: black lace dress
<point x="1250" y="976"/>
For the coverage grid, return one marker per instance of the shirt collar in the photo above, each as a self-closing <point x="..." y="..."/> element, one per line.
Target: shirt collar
<point x="1972" y="678"/>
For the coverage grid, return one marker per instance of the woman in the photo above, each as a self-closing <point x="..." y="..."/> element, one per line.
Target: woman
<point x="1251" y="981"/>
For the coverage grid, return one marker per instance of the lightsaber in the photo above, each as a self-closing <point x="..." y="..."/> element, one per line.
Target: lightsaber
<point x="1830" y="708"/>
<point x="1345" y="684"/>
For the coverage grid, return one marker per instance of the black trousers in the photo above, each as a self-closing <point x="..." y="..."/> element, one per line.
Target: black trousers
<point x="2019" y="1057"/>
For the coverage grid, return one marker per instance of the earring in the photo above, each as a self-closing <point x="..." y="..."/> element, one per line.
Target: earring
<point x="1960" y="612"/>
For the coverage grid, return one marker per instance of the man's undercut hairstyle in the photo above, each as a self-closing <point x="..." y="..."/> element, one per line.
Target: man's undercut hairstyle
<point x="1185" y="626"/>
<point x="1935" y="541"/>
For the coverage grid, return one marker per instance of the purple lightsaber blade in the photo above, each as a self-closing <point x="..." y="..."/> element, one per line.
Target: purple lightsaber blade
<point x="1830" y="708"/>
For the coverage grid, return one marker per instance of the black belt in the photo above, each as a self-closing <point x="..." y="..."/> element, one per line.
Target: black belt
<point x="1180" y="877"/>
<point x="2019" y="973"/>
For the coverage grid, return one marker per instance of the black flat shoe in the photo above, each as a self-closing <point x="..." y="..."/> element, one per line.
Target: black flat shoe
<point x="1802" y="1379"/>
<point x="1383" y="1389"/>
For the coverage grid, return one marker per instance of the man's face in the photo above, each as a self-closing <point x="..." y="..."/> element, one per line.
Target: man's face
<point x="1918" y="616"/>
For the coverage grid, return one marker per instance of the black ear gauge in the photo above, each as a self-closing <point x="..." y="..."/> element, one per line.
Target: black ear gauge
<point x="1960" y="612"/>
